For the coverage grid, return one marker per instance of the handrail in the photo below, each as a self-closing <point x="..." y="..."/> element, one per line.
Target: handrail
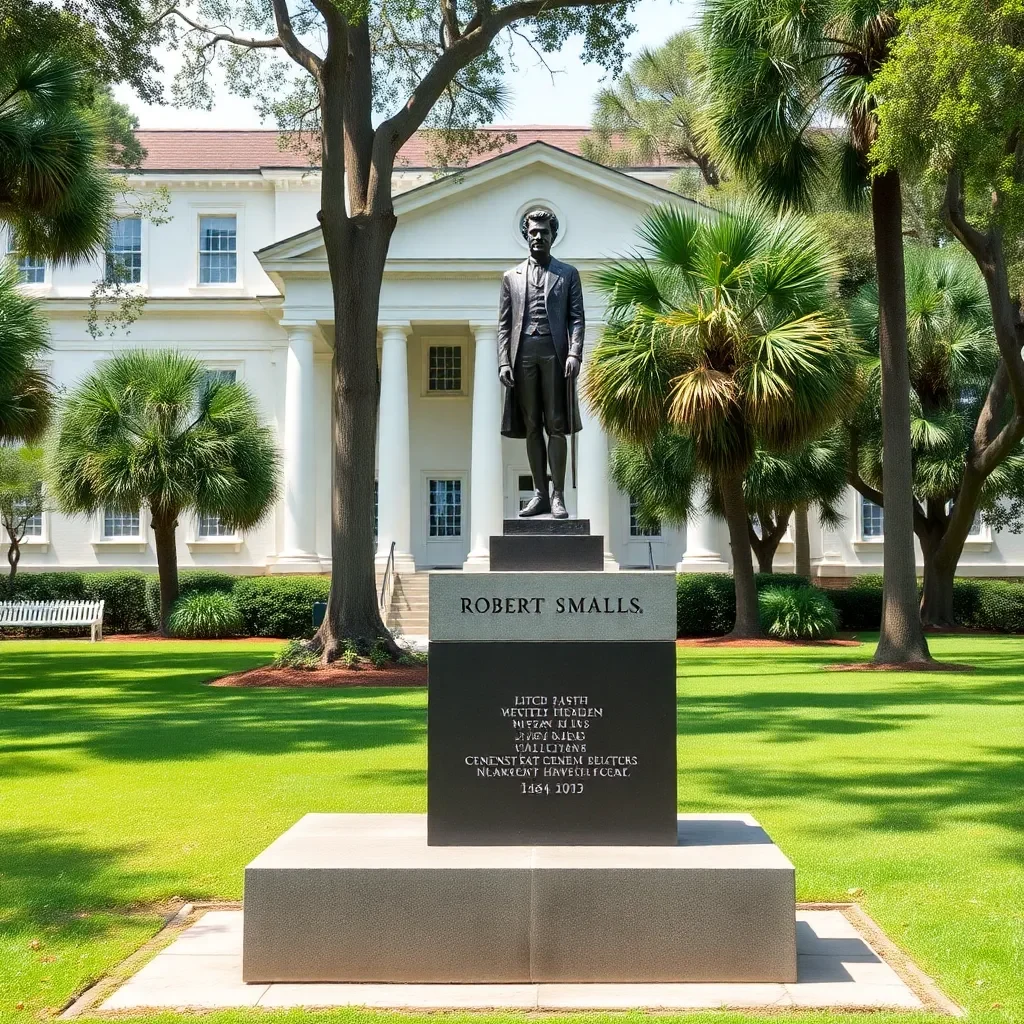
<point x="387" y="585"/>
<point x="650" y="557"/>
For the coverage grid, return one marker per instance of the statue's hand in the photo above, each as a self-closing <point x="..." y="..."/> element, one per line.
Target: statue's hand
<point x="572" y="366"/>
<point x="506" y="376"/>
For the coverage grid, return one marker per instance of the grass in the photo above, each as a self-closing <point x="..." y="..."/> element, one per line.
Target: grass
<point x="125" y="782"/>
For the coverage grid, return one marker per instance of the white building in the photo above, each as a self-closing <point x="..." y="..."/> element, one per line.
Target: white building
<point x="237" y="276"/>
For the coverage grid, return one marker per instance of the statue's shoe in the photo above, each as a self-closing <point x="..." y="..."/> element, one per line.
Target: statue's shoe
<point x="539" y="506"/>
<point x="558" y="507"/>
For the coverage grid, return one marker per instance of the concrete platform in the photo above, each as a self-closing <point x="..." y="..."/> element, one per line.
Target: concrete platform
<point x="362" y="898"/>
<point x="202" y="970"/>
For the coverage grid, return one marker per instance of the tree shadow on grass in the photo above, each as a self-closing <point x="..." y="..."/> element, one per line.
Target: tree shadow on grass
<point x="45" y="875"/>
<point x="140" y="706"/>
<point x="917" y="799"/>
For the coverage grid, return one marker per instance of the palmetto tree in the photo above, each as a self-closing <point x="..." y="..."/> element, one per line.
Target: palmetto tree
<point x="654" y="111"/>
<point x="55" y="192"/>
<point x="660" y="477"/>
<point x="721" y="330"/>
<point x="791" y="105"/>
<point x="155" y="429"/>
<point x="24" y="388"/>
<point x="953" y="356"/>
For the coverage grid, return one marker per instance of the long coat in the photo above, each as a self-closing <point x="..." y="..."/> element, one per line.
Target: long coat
<point x="563" y="299"/>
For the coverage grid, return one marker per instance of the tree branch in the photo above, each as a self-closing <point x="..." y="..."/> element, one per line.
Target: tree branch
<point x="475" y="39"/>
<point x="299" y="53"/>
<point x="216" y="36"/>
<point x="450" y="31"/>
<point x="953" y="214"/>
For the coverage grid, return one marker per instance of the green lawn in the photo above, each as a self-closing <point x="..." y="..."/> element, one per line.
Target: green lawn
<point x="124" y="781"/>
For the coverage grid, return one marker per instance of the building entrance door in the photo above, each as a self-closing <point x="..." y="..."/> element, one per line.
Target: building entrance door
<point x="519" y="491"/>
<point x="446" y="522"/>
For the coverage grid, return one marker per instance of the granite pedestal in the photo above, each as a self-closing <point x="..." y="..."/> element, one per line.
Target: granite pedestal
<point x="362" y="897"/>
<point x="542" y="543"/>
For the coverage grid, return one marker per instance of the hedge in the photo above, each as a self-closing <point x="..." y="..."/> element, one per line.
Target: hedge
<point x="706" y="601"/>
<point x="860" y="605"/>
<point x="123" y="592"/>
<point x="280" y="606"/>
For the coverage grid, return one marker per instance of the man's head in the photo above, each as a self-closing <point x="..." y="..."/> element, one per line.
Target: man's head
<point x="540" y="229"/>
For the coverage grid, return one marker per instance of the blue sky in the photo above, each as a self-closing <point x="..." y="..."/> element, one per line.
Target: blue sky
<point x="536" y="99"/>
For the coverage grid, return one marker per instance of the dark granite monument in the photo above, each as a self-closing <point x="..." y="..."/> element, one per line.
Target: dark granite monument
<point x="552" y="707"/>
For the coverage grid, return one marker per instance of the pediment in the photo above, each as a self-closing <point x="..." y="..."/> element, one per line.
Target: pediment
<point x="471" y="217"/>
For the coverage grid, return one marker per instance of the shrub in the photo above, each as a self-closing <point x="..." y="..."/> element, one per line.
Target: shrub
<point x="205" y="615"/>
<point x="297" y="655"/>
<point x="705" y="604"/>
<point x="1000" y="606"/>
<point x="124" y="595"/>
<point x="967" y="601"/>
<point x="44" y="586"/>
<point x="706" y="601"/>
<point x="860" y="606"/>
<point x="803" y="613"/>
<point x="280" y="606"/>
<point x="189" y="582"/>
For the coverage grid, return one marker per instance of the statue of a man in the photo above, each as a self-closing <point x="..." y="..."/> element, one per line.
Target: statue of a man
<point x="540" y="346"/>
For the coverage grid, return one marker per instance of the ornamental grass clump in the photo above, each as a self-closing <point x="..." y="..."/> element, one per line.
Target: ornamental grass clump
<point x="803" y="613"/>
<point x="206" y="615"/>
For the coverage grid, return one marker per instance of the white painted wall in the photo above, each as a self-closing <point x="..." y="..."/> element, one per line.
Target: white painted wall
<point x="446" y="260"/>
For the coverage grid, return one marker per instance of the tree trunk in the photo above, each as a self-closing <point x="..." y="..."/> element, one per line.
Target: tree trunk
<point x="353" y="613"/>
<point x="937" y="598"/>
<point x="765" y="557"/>
<point x="748" y="622"/>
<point x="802" y="541"/>
<point x="902" y="639"/>
<point x="13" y="558"/>
<point x="164" y="526"/>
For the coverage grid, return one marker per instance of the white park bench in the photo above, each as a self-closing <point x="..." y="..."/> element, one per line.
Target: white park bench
<point x="37" y="614"/>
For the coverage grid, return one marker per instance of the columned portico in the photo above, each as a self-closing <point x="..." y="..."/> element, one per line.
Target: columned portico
<point x="393" y="464"/>
<point x="485" y="471"/>
<point x="299" y="541"/>
<point x="592" y="498"/>
<point x="701" y="554"/>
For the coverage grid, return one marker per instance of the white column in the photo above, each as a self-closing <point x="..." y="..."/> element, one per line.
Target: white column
<point x="393" y="466"/>
<point x="702" y="534"/>
<point x="592" y="496"/>
<point x="485" y="473"/>
<point x="299" y="461"/>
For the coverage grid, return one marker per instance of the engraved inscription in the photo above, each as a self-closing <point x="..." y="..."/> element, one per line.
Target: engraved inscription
<point x="552" y="737"/>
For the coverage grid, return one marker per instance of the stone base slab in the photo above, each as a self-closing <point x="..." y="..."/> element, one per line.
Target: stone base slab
<point x="837" y="968"/>
<point x="362" y="898"/>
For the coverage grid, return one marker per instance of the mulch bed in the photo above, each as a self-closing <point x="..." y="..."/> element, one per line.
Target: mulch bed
<point x="913" y="666"/>
<point x="397" y="675"/>
<point x="724" y="641"/>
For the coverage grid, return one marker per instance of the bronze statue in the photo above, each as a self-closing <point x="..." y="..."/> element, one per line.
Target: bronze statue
<point x="540" y="347"/>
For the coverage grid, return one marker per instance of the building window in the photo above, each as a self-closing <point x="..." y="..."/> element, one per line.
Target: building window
<point x="31" y="269"/>
<point x="33" y="524"/>
<point x="976" y="524"/>
<point x="872" y="519"/>
<point x="444" y="368"/>
<point x="213" y="527"/>
<point x="119" y="523"/>
<point x="218" y="257"/>
<point x="635" y="529"/>
<point x="219" y="377"/>
<point x="525" y="487"/>
<point x="445" y="508"/>
<point x="124" y="251"/>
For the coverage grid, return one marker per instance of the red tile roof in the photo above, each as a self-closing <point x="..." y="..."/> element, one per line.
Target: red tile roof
<point x="201" y="150"/>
